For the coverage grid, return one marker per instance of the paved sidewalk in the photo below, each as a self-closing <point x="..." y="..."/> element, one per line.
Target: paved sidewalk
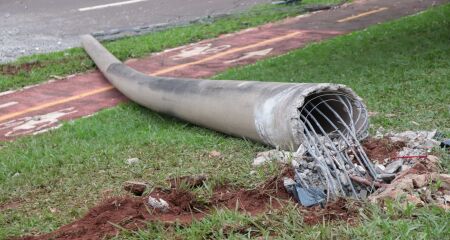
<point x="39" y="108"/>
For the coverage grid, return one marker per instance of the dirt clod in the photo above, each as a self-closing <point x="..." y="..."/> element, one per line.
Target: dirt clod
<point x="136" y="188"/>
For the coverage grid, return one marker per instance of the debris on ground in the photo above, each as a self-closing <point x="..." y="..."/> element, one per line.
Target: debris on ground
<point x="134" y="187"/>
<point x="402" y="162"/>
<point x="273" y="155"/>
<point x="306" y="196"/>
<point x="445" y="144"/>
<point x="417" y="143"/>
<point x="158" y="204"/>
<point x="417" y="189"/>
<point x="337" y="159"/>
<point x="132" y="161"/>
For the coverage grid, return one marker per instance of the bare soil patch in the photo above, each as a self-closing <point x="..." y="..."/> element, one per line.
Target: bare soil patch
<point x="382" y="148"/>
<point x="271" y="194"/>
<point x="106" y="219"/>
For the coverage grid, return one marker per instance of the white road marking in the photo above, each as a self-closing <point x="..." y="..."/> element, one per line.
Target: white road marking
<point x="109" y="5"/>
<point x="7" y="92"/>
<point x="263" y="52"/>
<point x="8" y="104"/>
<point x="199" y="50"/>
<point x="34" y="124"/>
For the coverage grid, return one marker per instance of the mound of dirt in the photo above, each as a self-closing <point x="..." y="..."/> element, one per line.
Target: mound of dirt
<point x="95" y="224"/>
<point x="180" y="201"/>
<point x="108" y="217"/>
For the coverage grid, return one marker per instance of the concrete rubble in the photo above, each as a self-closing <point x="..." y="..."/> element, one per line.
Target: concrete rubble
<point x="410" y="177"/>
<point x="273" y="155"/>
<point x="132" y="161"/>
<point x="418" y="143"/>
<point x="417" y="189"/>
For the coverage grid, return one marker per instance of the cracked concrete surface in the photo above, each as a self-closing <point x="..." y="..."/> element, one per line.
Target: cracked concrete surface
<point x="39" y="26"/>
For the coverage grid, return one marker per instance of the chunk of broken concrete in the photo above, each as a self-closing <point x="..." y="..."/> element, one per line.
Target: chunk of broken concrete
<point x="132" y="161"/>
<point x="363" y="194"/>
<point x="379" y="168"/>
<point x="343" y="179"/>
<point x="158" y="203"/>
<point x="361" y="169"/>
<point x="272" y="155"/>
<point x="407" y="186"/>
<point x="447" y="199"/>
<point x="394" y="166"/>
<point x="421" y="181"/>
<point x="136" y="188"/>
<point x="301" y="151"/>
<point x="295" y="164"/>
<point x="259" y="161"/>
<point x="386" y="177"/>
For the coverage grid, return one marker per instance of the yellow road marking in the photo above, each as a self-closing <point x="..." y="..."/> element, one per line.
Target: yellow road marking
<point x="231" y="51"/>
<point x="362" y="15"/>
<point x="53" y="103"/>
<point x="163" y="71"/>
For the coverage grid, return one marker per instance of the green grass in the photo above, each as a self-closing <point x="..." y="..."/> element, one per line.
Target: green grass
<point x="401" y="67"/>
<point x="75" y="60"/>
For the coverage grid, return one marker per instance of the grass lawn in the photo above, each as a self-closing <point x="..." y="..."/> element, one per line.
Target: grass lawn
<point x="400" y="68"/>
<point x="75" y="60"/>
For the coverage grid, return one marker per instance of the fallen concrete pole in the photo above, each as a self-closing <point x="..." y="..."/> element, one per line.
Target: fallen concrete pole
<point x="267" y="112"/>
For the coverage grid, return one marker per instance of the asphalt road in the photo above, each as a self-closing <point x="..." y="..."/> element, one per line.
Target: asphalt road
<point x="38" y="26"/>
